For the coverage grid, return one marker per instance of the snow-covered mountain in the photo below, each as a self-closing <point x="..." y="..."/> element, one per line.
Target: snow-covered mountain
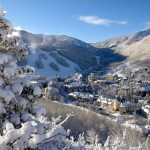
<point x="123" y="40"/>
<point x="47" y="64"/>
<point x="63" y="55"/>
<point x="135" y="47"/>
<point x="69" y="47"/>
<point x="58" y="54"/>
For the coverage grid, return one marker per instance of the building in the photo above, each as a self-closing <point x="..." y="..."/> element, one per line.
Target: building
<point x="123" y="108"/>
<point x="77" y="87"/>
<point x="146" y="111"/>
<point x="84" y="97"/>
<point x="109" y="77"/>
<point x="129" y="107"/>
<point x="116" y="105"/>
<point x="106" y="103"/>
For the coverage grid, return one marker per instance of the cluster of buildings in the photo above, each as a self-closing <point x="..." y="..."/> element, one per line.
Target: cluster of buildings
<point x="114" y="104"/>
<point x="79" y="90"/>
<point x="83" y="97"/>
<point x="125" y="91"/>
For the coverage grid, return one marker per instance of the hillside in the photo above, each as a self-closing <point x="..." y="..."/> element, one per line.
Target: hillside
<point x="85" y="120"/>
<point x="138" y="50"/>
<point x="136" y="47"/>
<point x="71" y="48"/>
<point x="63" y="55"/>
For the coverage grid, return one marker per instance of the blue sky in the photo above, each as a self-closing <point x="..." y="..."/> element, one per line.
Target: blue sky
<point x="88" y="20"/>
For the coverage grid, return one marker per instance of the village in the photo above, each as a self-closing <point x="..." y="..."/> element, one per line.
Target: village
<point x="123" y="96"/>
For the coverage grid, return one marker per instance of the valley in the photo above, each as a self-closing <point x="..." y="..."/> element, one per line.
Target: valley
<point x="111" y="83"/>
<point x="46" y="49"/>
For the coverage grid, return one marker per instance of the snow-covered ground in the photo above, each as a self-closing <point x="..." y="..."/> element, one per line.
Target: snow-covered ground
<point x="47" y="70"/>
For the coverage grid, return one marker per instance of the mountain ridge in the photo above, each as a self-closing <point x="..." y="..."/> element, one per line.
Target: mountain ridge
<point x="64" y="45"/>
<point x="129" y="39"/>
<point x="134" y="47"/>
<point x="81" y="54"/>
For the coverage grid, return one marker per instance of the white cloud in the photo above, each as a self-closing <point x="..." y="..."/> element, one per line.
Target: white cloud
<point x="100" y="21"/>
<point x="18" y="28"/>
<point x="95" y="20"/>
<point x="122" y="22"/>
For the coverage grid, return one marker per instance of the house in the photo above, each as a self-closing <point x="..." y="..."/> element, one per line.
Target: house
<point x="108" y="103"/>
<point x="105" y="102"/>
<point x="109" y="77"/>
<point x="85" y="97"/>
<point x="146" y="111"/>
<point x="129" y="107"/>
<point x="116" y="105"/>
<point x="103" y="83"/>
<point x="75" y="77"/>
<point x="123" y="108"/>
<point x="77" y="86"/>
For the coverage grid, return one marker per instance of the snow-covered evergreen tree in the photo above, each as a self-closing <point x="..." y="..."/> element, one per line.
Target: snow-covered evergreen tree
<point x="22" y="122"/>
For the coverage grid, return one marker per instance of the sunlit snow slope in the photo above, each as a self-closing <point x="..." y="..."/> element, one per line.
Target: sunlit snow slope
<point x="46" y="70"/>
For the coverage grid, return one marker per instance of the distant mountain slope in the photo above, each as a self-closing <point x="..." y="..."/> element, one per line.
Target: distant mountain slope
<point x="62" y="55"/>
<point x="123" y="40"/>
<point x="136" y="47"/>
<point x="73" y="49"/>
<point x="139" y="50"/>
<point x="111" y="43"/>
<point x="47" y="64"/>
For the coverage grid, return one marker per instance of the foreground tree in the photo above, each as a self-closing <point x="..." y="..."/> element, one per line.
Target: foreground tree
<point x="22" y="122"/>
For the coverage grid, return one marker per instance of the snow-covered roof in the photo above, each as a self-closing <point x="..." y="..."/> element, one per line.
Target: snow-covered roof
<point x="131" y="106"/>
<point x="119" y="74"/>
<point x="76" y="84"/>
<point x="125" y="78"/>
<point x="82" y="95"/>
<point x="123" y="105"/>
<point x="105" y="100"/>
<point x="105" y="81"/>
<point x="146" y="109"/>
<point x="74" y="77"/>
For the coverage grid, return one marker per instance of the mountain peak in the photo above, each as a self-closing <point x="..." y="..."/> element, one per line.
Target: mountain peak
<point x="123" y="40"/>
